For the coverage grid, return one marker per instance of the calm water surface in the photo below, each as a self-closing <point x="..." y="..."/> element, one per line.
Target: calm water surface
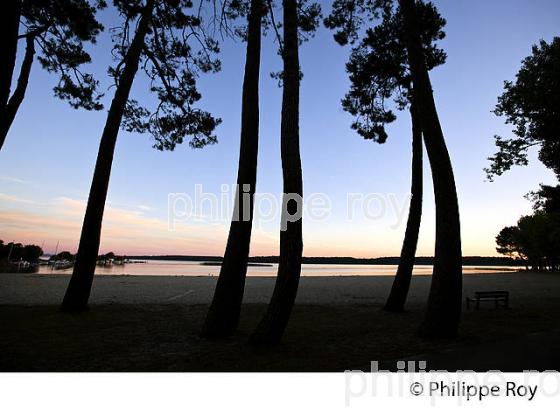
<point x="181" y="268"/>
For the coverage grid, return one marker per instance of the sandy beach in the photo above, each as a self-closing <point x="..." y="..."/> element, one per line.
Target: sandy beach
<point x="526" y="289"/>
<point x="337" y="324"/>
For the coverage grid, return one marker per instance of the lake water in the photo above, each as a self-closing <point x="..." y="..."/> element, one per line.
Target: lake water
<point x="182" y="268"/>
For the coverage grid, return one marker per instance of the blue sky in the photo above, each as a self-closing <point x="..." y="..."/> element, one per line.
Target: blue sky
<point x="47" y="162"/>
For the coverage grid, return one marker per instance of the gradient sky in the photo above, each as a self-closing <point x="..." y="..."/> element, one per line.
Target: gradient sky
<point x="47" y="162"/>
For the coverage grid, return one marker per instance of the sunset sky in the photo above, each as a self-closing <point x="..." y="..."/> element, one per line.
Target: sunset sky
<point x="47" y="162"/>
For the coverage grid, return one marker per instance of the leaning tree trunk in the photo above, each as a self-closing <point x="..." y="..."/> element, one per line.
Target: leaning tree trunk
<point x="273" y="324"/>
<point x="401" y="284"/>
<point x="444" y="303"/>
<point x="79" y="288"/>
<point x="9" y="26"/>
<point x="10" y="110"/>
<point x="223" y="315"/>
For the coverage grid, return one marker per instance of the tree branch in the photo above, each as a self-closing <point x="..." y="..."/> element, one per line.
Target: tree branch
<point x="23" y="79"/>
<point x="280" y="43"/>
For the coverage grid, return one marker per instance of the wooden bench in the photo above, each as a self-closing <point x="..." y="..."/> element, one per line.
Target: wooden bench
<point x="499" y="297"/>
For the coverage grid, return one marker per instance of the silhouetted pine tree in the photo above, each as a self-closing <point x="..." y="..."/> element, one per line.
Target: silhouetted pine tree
<point x="297" y="18"/>
<point x="445" y="300"/>
<point x="401" y="284"/>
<point x="379" y="72"/>
<point x="171" y="47"/>
<point x="59" y="29"/>
<point x="223" y="315"/>
<point x="444" y="303"/>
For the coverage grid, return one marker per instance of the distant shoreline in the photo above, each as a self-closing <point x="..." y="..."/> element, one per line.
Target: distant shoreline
<point x="219" y="263"/>
<point x="337" y="260"/>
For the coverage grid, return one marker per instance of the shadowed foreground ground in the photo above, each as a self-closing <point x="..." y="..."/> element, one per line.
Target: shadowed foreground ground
<point x="319" y="338"/>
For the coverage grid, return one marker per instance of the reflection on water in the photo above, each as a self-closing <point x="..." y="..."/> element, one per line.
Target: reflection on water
<point x="180" y="268"/>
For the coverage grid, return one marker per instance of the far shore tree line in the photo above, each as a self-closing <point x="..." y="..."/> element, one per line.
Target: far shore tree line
<point x="171" y="43"/>
<point x="16" y="252"/>
<point x="19" y="252"/>
<point x="70" y="257"/>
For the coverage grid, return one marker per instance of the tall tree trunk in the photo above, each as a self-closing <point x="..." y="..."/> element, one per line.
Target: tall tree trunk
<point x="79" y="288"/>
<point x="9" y="26"/>
<point x="401" y="284"/>
<point x="10" y="110"/>
<point x="272" y="326"/>
<point x="444" y="303"/>
<point x="223" y="315"/>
